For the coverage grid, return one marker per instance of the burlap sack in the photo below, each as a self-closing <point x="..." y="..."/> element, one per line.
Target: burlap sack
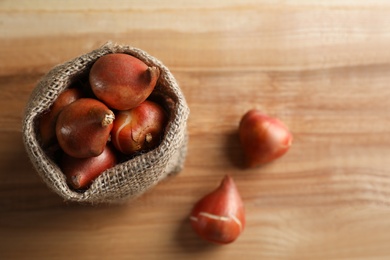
<point x="128" y="179"/>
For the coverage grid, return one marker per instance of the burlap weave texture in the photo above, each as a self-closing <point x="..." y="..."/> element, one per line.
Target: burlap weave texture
<point x="128" y="179"/>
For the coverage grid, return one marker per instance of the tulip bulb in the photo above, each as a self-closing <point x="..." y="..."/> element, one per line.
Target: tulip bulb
<point x="80" y="172"/>
<point x="263" y="138"/>
<point x="139" y="129"/>
<point x="83" y="128"/>
<point x="122" y="81"/>
<point x="219" y="216"/>
<point x="47" y="123"/>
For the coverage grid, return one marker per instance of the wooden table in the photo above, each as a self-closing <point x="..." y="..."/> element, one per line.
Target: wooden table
<point x="323" y="67"/>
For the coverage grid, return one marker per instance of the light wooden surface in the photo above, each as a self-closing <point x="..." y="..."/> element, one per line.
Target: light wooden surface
<point x="323" y="67"/>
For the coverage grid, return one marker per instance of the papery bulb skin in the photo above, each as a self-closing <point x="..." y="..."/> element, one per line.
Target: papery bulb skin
<point x="263" y="138"/>
<point x="139" y="129"/>
<point x="48" y="120"/>
<point x="83" y="128"/>
<point x="219" y="217"/>
<point x="122" y="81"/>
<point x="81" y="172"/>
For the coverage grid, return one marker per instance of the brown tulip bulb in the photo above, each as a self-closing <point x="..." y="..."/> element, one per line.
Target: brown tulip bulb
<point x="263" y="138"/>
<point x="83" y="127"/>
<point x="219" y="217"/>
<point x="80" y="172"/>
<point x="122" y="81"/>
<point x="47" y="122"/>
<point x="139" y="129"/>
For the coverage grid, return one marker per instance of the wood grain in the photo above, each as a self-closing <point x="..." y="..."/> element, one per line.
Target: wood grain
<point x="323" y="68"/>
